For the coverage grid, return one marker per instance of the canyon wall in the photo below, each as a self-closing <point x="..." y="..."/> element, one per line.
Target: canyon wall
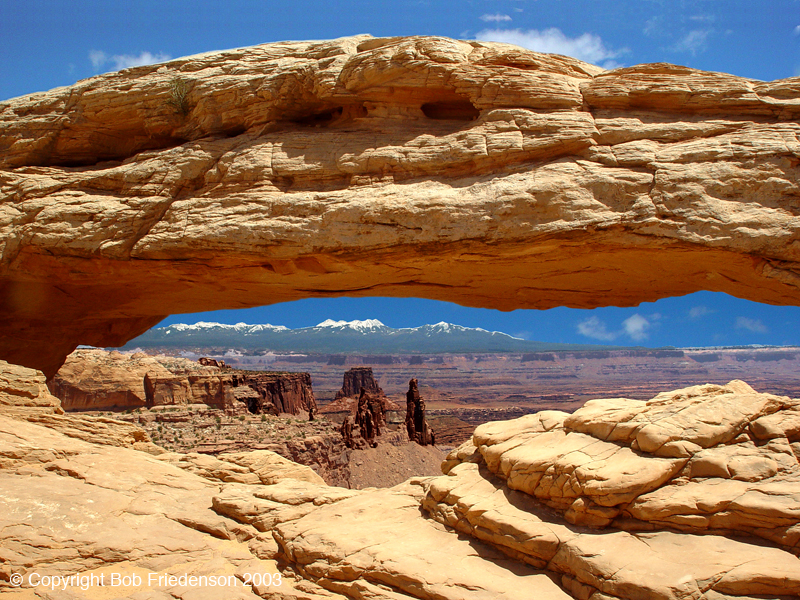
<point x="93" y="379"/>
<point x="256" y="392"/>
<point x="101" y="380"/>
<point x="472" y="172"/>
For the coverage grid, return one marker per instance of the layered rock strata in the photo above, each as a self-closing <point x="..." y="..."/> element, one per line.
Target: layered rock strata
<point x="513" y="518"/>
<point x="347" y="399"/>
<point x="285" y="392"/>
<point x="24" y="396"/>
<point x="24" y="392"/>
<point x="692" y="494"/>
<point x="236" y="391"/>
<point x="94" y="379"/>
<point x="472" y="172"/>
<point x="101" y="380"/>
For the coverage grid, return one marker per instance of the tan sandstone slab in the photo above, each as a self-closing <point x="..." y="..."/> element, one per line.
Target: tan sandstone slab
<point x="663" y="565"/>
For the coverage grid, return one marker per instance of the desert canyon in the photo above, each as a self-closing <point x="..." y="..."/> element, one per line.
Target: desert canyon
<point x="473" y="172"/>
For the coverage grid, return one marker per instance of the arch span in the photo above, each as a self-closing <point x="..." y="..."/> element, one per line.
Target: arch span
<point x="306" y="169"/>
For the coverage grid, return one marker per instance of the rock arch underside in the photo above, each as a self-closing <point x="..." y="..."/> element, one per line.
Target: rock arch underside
<point x="478" y="173"/>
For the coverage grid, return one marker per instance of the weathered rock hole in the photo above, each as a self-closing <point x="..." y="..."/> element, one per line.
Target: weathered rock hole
<point x="136" y="144"/>
<point x="234" y="132"/>
<point x="321" y="118"/>
<point x="329" y="116"/>
<point x="451" y="111"/>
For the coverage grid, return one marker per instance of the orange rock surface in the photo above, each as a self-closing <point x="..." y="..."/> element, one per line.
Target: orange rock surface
<point x="478" y="173"/>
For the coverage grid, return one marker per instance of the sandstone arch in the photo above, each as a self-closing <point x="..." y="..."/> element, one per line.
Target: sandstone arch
<point x="477" y="173"/>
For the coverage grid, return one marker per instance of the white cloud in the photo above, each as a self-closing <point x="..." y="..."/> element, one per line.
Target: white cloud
<point x="587" y="47"/>
<point x="126" y="61"/>
<point x="654" y="26"/>
<point x="698" y="312"/>
<point x="754" y="325"/>
<point x="692" y="42"/>
<point x="595" y="328"/>
<point x="636" y="327"/>
<point x="100" y="59"/>
<point x="497" y="18"/>
<point x="703" y="18"/>
<point x="797" y="30"/>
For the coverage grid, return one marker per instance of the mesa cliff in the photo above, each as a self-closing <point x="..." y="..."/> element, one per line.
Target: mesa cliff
<point x="100" y="380"/>
<point x="472" y="172"/>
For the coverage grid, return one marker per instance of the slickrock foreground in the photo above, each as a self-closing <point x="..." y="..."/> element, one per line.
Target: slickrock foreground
<point x="473" y="172"/>
<point x="691" y="495"/>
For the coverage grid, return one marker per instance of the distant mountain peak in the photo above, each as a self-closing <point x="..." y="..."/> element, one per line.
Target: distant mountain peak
<point x="367" y="325"/>
<point x="369" y="336"/>
<point x="239" y="327"/>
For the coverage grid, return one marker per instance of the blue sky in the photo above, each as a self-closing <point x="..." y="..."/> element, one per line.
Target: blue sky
<point x="50" y="43"/>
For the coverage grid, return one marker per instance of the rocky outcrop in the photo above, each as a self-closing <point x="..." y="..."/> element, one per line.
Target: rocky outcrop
<point x="347" y="399"/>
<point x="416" y="425"/>
<point x="71" y="506"/>
<point x="284" y="392"/>
<point x="368" y="423"/>
<point x="357" y="379"/>
<point x="179" y="390"/>
<point x="478" y="173"/>
<point x="24" y="392"/>
<point x="235" y="391"/>
<point x="366" y="404"/>
<point x="24" y="396"/>
<point x="212" y="362"/>
<point x="101" y="380"/>
<point x="692" y="494"/>
<point x="254" y="467"/>
<point x="689" y="496"/>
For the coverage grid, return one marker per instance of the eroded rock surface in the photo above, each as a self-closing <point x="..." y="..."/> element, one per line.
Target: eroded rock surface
<point x="367" y="424"/>
<point x="592" y="518"/>
<point x="478" y="173"/>
<point x="660" y="499"/>
<point x="101" y="380"/>
<point x="417" y="427"/>
<point x="24" y="391"/>
<point x="357" y="379"/>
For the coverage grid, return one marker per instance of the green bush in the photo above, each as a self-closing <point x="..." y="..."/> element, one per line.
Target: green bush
<point x="178" y="96"/>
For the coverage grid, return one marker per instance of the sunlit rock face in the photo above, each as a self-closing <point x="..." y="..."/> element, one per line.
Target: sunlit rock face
<point x="93" y="379"/>
<point x="691" y="495"/>
<point x="472" y="172"/>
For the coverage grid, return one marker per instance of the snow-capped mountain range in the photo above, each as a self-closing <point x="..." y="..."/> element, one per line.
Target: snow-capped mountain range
<point x="346" y="337"/>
